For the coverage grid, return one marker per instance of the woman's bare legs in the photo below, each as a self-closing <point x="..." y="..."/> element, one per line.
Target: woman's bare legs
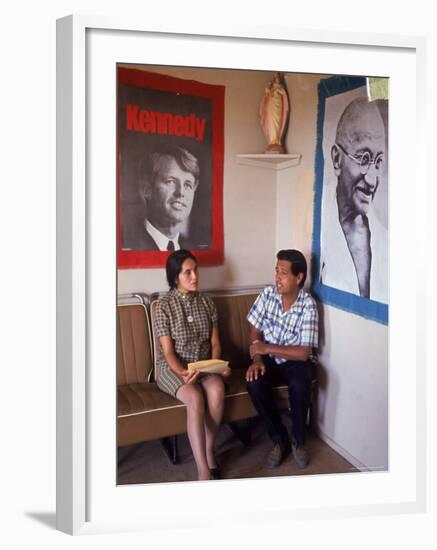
<point x="214" y="392"/>
<point x="192" y="397"/>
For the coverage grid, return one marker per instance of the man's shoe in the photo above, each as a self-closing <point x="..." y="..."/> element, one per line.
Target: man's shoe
<point x="300" y="456"/>
<point x="276" y="456"/>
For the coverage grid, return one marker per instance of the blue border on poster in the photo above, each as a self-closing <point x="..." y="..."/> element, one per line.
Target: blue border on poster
<point x="370" y="309"/>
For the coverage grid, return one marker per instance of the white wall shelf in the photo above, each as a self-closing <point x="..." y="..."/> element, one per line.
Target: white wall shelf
<point x="270" y="161"/>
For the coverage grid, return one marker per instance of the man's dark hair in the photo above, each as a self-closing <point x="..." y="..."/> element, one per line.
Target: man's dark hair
<point x="297" y="260"/>
<point x="174" y="265"/>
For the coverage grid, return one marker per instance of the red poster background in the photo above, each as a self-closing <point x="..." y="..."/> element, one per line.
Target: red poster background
<point x="214" y="255"/>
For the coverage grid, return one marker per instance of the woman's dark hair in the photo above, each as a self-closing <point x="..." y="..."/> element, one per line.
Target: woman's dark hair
<point x="174" y="265"/>
<point x="297" y="260"/>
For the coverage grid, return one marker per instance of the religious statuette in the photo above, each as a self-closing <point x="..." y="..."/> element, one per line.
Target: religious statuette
<point x="274" y="111"/>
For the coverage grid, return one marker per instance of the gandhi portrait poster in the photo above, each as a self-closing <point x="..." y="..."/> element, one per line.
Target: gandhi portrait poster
<point x="350" y="238"/>
<point x="170" y="168"/>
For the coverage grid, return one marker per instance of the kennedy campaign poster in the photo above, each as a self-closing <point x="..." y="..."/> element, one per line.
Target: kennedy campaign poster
<point x="170" y="168"/>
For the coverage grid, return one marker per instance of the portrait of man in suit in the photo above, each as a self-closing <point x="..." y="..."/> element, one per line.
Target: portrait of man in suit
<point x="168" y="180"/>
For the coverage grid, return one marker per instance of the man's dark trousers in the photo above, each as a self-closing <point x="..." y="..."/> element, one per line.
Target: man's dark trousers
<point x="297" y="375"/>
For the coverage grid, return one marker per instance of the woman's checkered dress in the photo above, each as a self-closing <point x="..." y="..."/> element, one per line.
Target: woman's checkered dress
<point x="188" y="319"/>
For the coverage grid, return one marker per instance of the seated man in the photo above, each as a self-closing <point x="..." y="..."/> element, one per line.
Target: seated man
<point x="284" y="332"/>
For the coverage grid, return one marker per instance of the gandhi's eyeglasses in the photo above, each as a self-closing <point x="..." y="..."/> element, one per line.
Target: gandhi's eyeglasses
<point x="365" y="159"/>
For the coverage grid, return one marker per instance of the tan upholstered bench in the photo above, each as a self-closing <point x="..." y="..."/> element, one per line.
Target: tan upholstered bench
<point x="144" y="412"/>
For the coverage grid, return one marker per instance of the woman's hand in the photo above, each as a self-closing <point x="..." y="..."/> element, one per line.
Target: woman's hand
<point x="190" y="376"/>
<point x="227" y="372"/>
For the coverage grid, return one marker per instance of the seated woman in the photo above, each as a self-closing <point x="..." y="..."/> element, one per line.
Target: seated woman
<point x="187" y="327"/>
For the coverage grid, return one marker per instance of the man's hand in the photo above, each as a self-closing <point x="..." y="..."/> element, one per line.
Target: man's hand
<point x="257" y="348"/>
<point x="190" y="376"/>
<point x="255" y="370"/>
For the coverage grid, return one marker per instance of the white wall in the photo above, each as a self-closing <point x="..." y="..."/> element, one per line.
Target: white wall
<point x="295" y="193"/>
<point x="249" y="193"/>
<point x="353" y="388"/>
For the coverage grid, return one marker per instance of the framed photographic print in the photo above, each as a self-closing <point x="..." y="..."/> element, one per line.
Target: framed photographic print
<point x="264" y="208"/>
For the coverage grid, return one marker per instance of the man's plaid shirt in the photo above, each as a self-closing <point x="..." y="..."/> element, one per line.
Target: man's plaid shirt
<point x="296" y="327"/>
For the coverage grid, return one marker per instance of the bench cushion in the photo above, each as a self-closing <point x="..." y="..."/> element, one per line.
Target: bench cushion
<point x="134" y="350"/>
<point x="234" y="328"/>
